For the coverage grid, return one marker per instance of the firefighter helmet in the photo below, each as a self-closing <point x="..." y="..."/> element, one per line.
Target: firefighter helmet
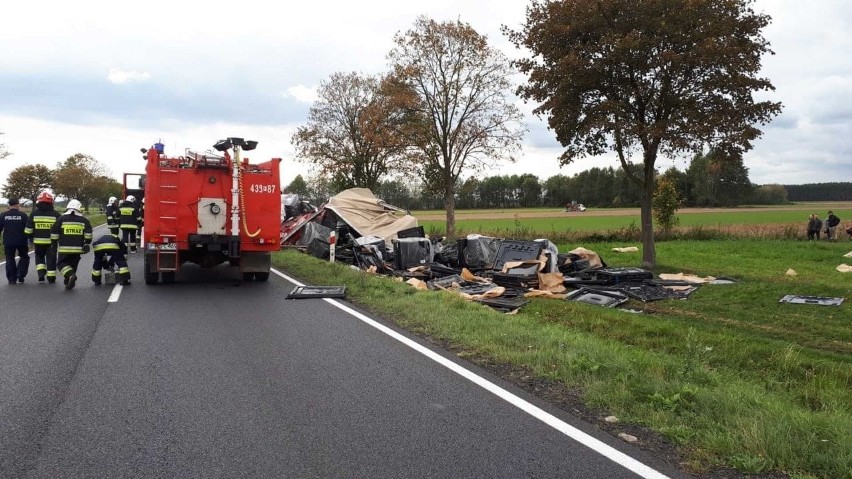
<point x="44" y="197"/>
<point x="130" y="198"/>
<point x="74" y="205"/>
<point x="112" y="199"/>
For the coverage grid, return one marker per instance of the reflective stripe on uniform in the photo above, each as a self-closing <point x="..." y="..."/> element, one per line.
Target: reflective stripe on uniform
<point x="123" y="269"/>
<point x="96" y="273"/>
<point x="70" y="249"/>
<point x="41" y="267"/>
<point x="66" y="270"/>
<point x="51" y="273"/>
<point x="106" y="246"/>
<point x="128" y="227"/>
<point x="44" y="241"/>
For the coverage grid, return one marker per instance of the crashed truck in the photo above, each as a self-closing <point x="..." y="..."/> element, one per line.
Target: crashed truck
<point x="209" y="208"/>
<point x="355" y="214"/>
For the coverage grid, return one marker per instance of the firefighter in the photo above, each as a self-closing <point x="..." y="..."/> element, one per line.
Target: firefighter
<point x="13" y="223"/>
<point x="38" y="228"/>
<point x="109" y="252"/>
<point x="112" y="215"/>
<point x="72" y="234"/>
<point x="129" y="221"/>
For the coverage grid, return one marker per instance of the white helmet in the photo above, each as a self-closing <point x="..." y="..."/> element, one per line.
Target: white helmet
<point x="74" y="205"/>
<point x="130" y="198"/>
<point x="111" y="200"/>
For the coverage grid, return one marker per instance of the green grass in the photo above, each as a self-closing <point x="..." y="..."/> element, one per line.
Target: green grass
<point x="583" y="223"/>
<point x="730" y="375"/>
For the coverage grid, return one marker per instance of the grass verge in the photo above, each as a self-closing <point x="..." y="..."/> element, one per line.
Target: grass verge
<point x="730" y="376"/>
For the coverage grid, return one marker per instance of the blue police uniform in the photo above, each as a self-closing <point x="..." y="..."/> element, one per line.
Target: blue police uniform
<point x="13" y="222"/>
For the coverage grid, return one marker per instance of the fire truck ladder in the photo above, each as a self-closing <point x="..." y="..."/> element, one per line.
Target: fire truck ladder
<point x="167" y="260"/>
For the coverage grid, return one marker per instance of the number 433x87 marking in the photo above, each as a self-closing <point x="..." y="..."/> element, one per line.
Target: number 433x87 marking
<point x="254" y="188"/>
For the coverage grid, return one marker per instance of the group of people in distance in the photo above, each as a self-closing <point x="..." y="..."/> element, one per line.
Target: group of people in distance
<point x="60" y="240"/>
<point x="832" y="223"/>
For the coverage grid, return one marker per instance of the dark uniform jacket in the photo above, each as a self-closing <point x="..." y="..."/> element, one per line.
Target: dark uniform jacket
<point x="112" y="215"/>
<point x="108" y="244"/>
<point x="41" y="223"/>
<point x="13" y="223"/>
<point x="832" y="221"/>
<point x="71" y="232"/>
<point x="130" y="218"/>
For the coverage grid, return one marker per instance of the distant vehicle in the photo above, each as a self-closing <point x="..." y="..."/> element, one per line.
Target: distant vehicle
<point x="574" y="206"/>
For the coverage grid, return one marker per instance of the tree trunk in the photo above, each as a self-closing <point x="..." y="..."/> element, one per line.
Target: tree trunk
<point x="649" y="251"/>
<point x="450" y="207"/>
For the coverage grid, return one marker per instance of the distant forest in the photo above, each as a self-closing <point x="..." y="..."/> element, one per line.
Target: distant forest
<point x="820" y="192"/>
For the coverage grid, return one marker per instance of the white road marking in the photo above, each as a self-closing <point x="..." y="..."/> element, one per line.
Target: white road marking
<point x="594" y="444"/>
<point x="116" y="292"/>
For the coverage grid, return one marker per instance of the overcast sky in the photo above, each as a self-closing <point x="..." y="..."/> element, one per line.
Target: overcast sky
<point x="105" y="78"/>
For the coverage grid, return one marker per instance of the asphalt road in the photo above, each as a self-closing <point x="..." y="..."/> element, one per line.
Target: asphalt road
<point x="213" y="378"/>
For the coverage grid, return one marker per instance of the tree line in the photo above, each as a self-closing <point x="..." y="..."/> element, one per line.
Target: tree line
<point x="711" y="180"/>
<point x="80" y="177"/>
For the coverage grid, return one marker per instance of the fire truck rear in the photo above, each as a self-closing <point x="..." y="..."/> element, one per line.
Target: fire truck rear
<point x="209" y="209"/>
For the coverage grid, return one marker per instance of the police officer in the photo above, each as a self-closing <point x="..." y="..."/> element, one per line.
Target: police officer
<point x="13" y="223"/>
<point x="109" y="252"/>
<point x="112" y="215"/>
<point x="130" y="220"/>
<point x="38" y="229"/>
<point x="72" y="234"/>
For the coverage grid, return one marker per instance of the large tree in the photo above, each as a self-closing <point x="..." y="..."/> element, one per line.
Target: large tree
<point x="350" y="133"/>
<point x="718" y="179"/>
<point x="646" y="77"/>
<point x="452" y="88"/>
<point x="27" y="181"/>
<point x="78" y="178"/>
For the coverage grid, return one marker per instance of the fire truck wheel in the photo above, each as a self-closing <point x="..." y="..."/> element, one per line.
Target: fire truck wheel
<point x="248" y="276"/>
<point x="150" y="277"/>
<point x="261" y="276"/>
<point x="168" y="277"/>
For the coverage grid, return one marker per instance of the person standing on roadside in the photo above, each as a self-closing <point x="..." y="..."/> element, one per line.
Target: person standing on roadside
<point x="817" y="226"/>
<point x="38" y="229"/>
<point x="812" y="227"/>
<point x="831" y="224"/>
<point x="72" y="234"/>
<point x="13" y="223"/>
<point x="112" y="215"/>
<point x="130" y="221"/>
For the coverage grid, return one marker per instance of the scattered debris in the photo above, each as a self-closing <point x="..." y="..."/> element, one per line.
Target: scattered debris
<point x="598" y="297"/>
<point x="628" y="438"/>
<point x="791" y="272"/>
<point x="691" y="278"/>
<point x="818" y="300"/>
<point x="626" y="249"/>
<point x="611" y="419"/>
<point x="848" y="255"/>
<point x="844" y="268"/>
<point x="368" y="234"/>
<point x="303" y="292"/>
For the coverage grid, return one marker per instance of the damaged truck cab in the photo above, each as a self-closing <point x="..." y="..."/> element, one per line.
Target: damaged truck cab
<point x="209" y="209"/>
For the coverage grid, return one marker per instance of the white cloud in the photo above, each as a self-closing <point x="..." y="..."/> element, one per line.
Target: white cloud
<point x="301" y="94"/>
<point x="120" y="77"/>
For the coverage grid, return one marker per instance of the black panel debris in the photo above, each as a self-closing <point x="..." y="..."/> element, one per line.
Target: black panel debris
<point x="304" y="292"/>
<point x="818" y="300"/>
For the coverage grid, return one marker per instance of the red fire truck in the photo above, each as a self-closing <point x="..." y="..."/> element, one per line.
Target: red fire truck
<point x="208" y="209"/>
